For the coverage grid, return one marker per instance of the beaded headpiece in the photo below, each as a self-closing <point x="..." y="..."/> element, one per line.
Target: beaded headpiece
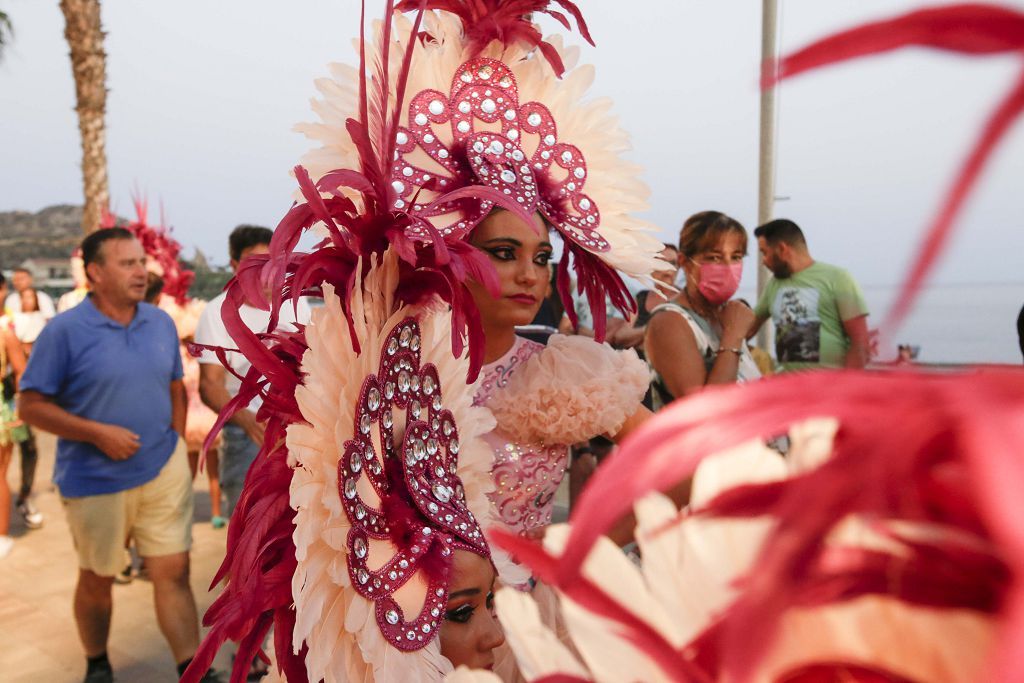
<point x="483" y="114"/>
<point x="483" y="93"/>
<point x="422" y="511"/>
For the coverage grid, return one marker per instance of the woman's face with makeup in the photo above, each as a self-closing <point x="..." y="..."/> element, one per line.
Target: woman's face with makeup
<point x="520" y="254"/>
<point x="470" y="631"/>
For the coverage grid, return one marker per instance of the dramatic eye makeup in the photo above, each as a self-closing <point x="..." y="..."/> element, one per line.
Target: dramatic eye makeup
<point x="464" y="612"/>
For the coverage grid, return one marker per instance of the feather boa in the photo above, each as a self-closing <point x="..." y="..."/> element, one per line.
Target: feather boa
<point x="571" y="390"/>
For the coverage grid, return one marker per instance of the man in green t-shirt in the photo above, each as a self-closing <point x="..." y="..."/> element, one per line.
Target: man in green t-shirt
<point x="819" y="312"/>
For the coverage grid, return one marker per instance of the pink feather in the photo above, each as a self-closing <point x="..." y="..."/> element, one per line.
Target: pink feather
<point x="968" y="29"/>
<point x="901" y="437"/>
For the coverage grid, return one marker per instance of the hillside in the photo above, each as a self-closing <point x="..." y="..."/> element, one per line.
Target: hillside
<point x="53" y="232"/>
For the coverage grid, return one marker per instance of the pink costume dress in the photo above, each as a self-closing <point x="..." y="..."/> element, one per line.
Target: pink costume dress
<point x="545" y="398"/>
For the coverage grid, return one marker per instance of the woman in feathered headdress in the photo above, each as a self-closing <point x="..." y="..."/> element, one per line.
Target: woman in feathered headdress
<point x="493" y="105"/>
<point x="364" y="514"/>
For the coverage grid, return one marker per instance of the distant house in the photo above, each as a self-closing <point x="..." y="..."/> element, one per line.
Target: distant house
<point x="50" y="273"/>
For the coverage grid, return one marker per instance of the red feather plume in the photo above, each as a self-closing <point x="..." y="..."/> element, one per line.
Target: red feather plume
<point x="968" y="29"/>
<point x="508" y="22"/>
<point x="938" y="450"/>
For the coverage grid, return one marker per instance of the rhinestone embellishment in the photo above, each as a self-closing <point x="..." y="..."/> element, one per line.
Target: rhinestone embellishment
<point x="425" y="453"/>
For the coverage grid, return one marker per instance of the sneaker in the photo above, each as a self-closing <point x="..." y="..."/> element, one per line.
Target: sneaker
<point x="33" y="517"/>
<point x="6" y="543"/>
<point x="100" y="674"/>
<point x="218" y="522"/>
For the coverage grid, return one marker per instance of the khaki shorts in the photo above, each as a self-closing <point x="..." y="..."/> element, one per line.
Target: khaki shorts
<point x="158" y="515"/>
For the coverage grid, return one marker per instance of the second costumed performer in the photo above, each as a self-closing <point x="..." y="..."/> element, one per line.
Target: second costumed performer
<point x="360" y="531"/>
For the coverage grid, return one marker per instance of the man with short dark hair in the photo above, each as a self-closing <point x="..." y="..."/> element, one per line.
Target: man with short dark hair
<point x="105" y="377"/>
<point x="243" y="435"/>
<point x="819" y="312"/>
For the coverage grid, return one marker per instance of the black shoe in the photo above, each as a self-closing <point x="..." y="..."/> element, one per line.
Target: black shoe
<point x="100" y="674"/>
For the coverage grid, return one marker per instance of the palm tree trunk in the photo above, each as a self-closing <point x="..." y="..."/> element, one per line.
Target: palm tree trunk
<point x="89" y="66"/>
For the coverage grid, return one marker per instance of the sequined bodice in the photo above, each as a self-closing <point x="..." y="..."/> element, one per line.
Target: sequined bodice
<point x="526" y="475"/>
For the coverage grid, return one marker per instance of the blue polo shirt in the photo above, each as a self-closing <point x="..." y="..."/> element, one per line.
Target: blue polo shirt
<point x="96" y="368"/>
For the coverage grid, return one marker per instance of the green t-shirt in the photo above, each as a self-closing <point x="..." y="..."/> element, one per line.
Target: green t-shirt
<point x="808" y="309"/>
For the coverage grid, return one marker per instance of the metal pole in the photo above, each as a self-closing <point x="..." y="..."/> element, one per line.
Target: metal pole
<point x="766" y="155"/>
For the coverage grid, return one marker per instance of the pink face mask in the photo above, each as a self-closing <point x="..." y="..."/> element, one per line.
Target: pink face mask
<point x="719" y="281"/>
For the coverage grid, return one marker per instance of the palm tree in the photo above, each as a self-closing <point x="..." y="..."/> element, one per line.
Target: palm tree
<point x="6" y="31"/>
<point x="88" y="64"/>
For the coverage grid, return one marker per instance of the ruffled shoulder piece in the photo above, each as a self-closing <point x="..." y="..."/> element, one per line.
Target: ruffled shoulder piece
<point x="573" y="390"/>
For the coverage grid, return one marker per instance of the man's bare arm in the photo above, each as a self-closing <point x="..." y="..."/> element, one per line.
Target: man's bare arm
<point x="857" y="331"/>
<point x="214" y="393"/>
<point x="179" y="407"/>
<point x="756" y="325"/>
<point x="39" y="411"/>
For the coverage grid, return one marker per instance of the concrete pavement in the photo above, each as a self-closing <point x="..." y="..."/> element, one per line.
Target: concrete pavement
<point x="38" y="639"/>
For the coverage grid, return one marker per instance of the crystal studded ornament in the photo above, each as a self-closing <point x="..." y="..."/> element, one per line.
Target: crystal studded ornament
<point x="484" y="96"/>
<point x="423" y="464"/>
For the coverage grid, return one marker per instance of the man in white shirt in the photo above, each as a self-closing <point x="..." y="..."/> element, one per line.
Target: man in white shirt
<point x="22" y="280"/>
<point x="243" y="435"/>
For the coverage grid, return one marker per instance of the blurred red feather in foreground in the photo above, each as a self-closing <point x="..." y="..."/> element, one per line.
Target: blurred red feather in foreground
<point x="935" y="452"/>
<point x="968" y="29"/>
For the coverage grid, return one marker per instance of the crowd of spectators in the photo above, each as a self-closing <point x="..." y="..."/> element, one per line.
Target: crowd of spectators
<point x="107" y="376"/>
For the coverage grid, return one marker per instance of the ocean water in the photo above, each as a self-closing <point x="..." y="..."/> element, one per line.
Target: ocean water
<point x="956" y="323"/>
<point x="952" y="323"/>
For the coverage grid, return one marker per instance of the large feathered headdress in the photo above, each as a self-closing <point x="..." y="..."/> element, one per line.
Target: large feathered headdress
<point x="373" y="470"/>
<point x="485" y="112"/>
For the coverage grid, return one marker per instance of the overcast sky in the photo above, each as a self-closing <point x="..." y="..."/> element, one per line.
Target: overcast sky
<point x="203" y="96"/>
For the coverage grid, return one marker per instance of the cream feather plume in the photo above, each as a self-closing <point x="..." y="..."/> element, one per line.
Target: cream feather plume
<point x="694" y="568"/>
<point x="336" y="625"/>
<point x="612" y="182"/>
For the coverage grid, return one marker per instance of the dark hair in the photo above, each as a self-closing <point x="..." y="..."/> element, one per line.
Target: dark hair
<point x="669" y="245"/>
<point x="703" y="229"/>
<point x="245" y="236"/>
<point x="3" y="281"/>
<point x="35" y="298"/>
<point x="93" y="243"/>
<point x="154" y="285"/>
<point x="22" y="270"/>
<point x="781" y="230"/>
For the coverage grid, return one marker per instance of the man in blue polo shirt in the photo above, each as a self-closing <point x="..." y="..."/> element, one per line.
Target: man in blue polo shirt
<point x="105" y="377"/>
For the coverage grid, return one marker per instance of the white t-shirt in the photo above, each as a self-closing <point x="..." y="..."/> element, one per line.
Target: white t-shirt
<point x="27" y="326"/>
<point x="211" y="331"/>
<point x="13" y="304"/>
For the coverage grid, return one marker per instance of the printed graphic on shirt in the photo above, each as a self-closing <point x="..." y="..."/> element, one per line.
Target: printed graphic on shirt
<point x="798" y="331"/>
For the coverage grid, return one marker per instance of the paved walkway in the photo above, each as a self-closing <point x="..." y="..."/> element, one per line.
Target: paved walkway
<point x="38" y="640"/>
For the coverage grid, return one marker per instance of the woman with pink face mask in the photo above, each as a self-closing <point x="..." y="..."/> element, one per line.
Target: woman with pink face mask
<point x="699" y="337"/>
